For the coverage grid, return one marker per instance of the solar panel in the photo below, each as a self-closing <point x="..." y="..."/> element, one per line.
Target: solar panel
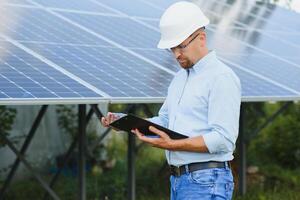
<point x="26" y="77"/>
<point x="264" y="89"/>
<point x="110" y="69"/>
<point x="249" y="13"/>
<point x="292" y="38"/>
<point x="122" y="30"/>
<point x="15" y="2"/>
<point x="79" y="5"/>
<point x="108" y="48"/>
<point x="162" y="57"/>
<point x="256" y="28"/>
<point x="35" y="25"/>
<point x="88" y="21"/>
<point x="132" y="8"/>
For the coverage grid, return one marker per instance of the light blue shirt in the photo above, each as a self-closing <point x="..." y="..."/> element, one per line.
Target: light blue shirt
<point x="204" y="100"/>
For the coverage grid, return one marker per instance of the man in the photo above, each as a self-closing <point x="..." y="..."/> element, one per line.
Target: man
<point x="203" y="102"/>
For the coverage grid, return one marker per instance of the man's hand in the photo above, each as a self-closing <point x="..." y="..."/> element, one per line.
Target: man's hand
<point x="110" y="117"/>
<point x="163" y="141"/>
<point x="193" y="144"/>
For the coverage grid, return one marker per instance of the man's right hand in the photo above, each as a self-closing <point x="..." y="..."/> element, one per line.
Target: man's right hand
<point x="110" y="117"/>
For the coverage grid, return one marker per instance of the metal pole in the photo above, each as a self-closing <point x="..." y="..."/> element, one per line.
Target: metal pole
<point x="242" y="153"/>
<point x="28" y="166"/>
<point x="270" y="119"/>
<point x="131" y="160"/>
<point x="68" y="155"/>
<point x="28" y="139"/>
<point x="81" y="149"/>
<point x="131" y="166"/>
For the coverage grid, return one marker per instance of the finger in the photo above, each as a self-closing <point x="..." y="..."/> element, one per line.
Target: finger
<point x="137" y="133"/>
<point x="115" y="117"/>
<point x="144" y="138"/>
<point x="112" y="117"/>
<point x="103" y="121"/>
<point x="158" y="132"/>
<point x="109" y="117"/>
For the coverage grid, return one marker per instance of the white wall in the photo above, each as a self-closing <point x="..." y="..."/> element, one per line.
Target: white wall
<point x="49" y="140"/>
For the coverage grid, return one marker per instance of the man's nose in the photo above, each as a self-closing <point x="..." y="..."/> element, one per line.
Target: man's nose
<point x="176" y="52"/>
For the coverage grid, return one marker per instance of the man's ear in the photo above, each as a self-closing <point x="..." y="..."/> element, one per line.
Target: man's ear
<point x="202" y="37"/>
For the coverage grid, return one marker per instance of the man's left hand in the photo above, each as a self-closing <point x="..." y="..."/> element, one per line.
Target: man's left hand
<point x="163" y="141"/>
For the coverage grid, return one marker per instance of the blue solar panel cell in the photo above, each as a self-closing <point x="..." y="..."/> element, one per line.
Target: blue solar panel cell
<point x="112" y="70"/>
<point x="132" y="7"/>
<point x="121" y="30"/>
<point x="262" y="87"/>
<point x="265" y="67"/>
<point x="36" y="25"/>
<point x="291" y="37"/>
<point x="17" y="2"/>
<point x="263" y="41"/>
<point x="79" y="5"/>
<point x="162" y="57"/>
<point x="277" y="15"/>
<point x="248" y="13"/>
<point x="153" y="22"/>
<point x="24" y="76"/>
<point x="257" y="34"/>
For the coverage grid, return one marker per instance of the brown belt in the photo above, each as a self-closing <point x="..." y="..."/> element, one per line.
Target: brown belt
<point x="178" y="171"/>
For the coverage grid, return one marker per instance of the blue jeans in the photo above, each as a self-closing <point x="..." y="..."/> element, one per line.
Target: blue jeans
<point x="215" y="183"/>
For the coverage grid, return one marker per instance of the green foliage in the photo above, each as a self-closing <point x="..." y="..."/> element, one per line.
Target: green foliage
<point x="67" y="119"/>
<point x="254" y="116"/>
<point x="7" y="116"/>
<point x="277" y="177"/>
<point x="152" y="180"/>
<point x="279" y="143"/>
<point x="257" y="193"/>
<point x="274" y="150"/>
<point x="152" y="177"/>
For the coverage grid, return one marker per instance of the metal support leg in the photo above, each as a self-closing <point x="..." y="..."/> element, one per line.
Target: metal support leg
<point x="242" y="154"/>
<point x="81" y="149"/>
<point x="99" y="114"/>
<point x="131" y="162"/>
<point x="131" y="166"/>
<point x="97" y="111"/>
<point x="68" y="154"/>
<point x="130" y="155"/>
<point x="270" y="120"/>
<point x="23" y="149"/>
<point x="28" y="166"/>
<point x="20" y="155"/>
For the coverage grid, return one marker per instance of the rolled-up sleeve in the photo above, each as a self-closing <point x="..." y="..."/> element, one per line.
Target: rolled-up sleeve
<point x="162" y="119"/>
<point x="223" y="114"/>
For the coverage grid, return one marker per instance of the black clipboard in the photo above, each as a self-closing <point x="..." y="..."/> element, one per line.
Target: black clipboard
<point x="129" y="122"/>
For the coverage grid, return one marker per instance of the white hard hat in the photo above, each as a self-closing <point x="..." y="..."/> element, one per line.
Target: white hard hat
<point x="178" y="22"/>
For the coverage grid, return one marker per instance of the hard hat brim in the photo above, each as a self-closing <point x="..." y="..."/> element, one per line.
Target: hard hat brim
<point x="168" y="44"/>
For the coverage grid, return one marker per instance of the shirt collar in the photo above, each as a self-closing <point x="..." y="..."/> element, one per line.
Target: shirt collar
<point x="203" y="61"/>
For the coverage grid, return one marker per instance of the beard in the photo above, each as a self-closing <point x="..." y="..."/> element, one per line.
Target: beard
<point x="185" y="63"/>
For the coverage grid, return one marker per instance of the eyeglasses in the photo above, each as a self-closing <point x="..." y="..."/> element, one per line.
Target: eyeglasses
<point x="183" y="46"/>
